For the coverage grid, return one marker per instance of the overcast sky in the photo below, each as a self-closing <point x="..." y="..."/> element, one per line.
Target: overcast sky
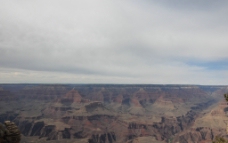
<point x="118" y="41"/>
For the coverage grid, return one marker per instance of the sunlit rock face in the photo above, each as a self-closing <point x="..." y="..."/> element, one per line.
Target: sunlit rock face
<point x="115" y="113"/>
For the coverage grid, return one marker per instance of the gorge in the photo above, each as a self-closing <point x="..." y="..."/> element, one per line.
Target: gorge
<point x="106" y="113"/>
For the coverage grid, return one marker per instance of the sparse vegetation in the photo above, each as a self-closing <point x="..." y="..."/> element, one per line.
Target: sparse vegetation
<point x="220" y="140"/>
<point x="226" y="97"/>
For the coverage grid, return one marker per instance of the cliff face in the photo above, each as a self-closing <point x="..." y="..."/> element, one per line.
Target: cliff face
<point x="199" y="135"/>
<point x="113" y="113"/>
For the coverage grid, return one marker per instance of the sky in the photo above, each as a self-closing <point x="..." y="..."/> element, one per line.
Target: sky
<point x="115" y="42"/>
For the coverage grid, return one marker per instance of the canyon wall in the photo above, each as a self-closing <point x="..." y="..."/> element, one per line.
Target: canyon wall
<point x="114" y="113"/>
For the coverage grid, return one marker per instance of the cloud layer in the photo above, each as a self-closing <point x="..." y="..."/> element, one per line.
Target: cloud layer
<point x="157" y="42"/>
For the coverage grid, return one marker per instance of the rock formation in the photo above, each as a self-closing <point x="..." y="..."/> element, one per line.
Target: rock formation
<point x="114" y="113"/>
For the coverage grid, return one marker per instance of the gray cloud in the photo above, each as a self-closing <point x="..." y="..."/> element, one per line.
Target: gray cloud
<point x="113" y="41"/>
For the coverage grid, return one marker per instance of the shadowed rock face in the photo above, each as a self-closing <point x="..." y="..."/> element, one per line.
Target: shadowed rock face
<point x="103" y="138"/>
<point x="8" y="116"/>
<point x="113" y="113"/>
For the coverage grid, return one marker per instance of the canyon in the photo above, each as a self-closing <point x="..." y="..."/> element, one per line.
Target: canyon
<point x="106" y="113"/>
